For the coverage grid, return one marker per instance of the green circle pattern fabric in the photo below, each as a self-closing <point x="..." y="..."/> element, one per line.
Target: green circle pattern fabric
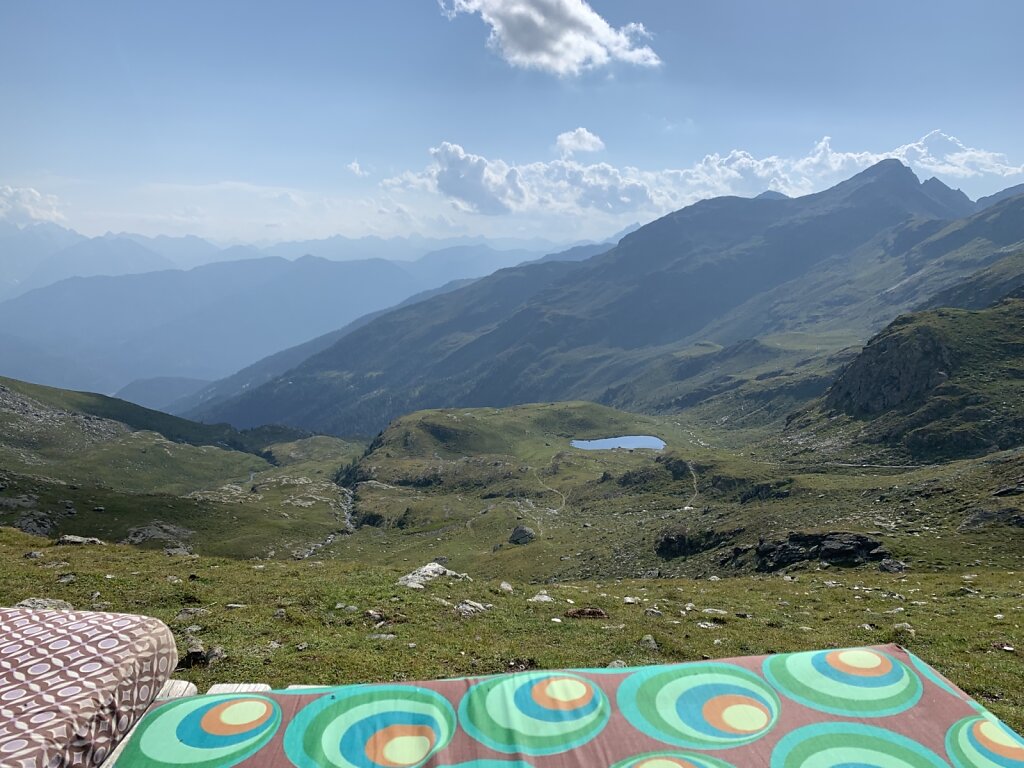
<point x="984" y="742"/>
<point x="851" y="682"/>
<point x="388" y="726"/>
<point x="851" y="744"/>
<point x="699" y="706"/>
<point x="534" y="713"/>
<point x="672" y="760"/>
<point x="216" y="731"/>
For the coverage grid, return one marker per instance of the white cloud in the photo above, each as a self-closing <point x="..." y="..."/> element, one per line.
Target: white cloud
<point x="564" y="37"/>
<point x="473" y="183"/>
<point x="357" y="169"/>
<point x="24" y="205"/>
<point x="580" y="140"/>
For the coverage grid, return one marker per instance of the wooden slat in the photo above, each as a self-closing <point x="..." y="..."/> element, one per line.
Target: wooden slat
<point x="238" y="688"/>
<point x="176" y="689"/>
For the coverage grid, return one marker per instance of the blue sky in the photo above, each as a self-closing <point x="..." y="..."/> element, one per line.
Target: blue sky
<point x="563" y="119"/>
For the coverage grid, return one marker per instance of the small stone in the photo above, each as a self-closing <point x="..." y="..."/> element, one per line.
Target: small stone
<point x="193" y="629"/>
<point x="273" y="645"/>
<point x="188" y="613"/>
<point x="557" y="620"/>
<point x="714" y="578"/>
<point x="33" y="555"/>
<point x="715" y="612"/>
<point x="689" y="607"/>
<point x="280" y="613"/>
<point x="381" y="636"/>
<point x="301" y="646"/>
<point x="235" y="606"/>
<point x="506" y="588"/>
<point x="541" y="597"/>
<point x="653" y="612"/>
<point x="468" y="608"/>
<point x="195" y="655"/>
<point x="631" y="600"/>
<point x="521" y="535"/>
<point x="44" y="604"/>
<point x="904" y="629"/>
<point x="77" y="541"/>
<point x="66" y="578"/>
<point x="648" y="642"/>
<point x="889" y="565"/>
<point x="868" y="627"/>
<point x="351" y="609"/>
<point x="617" y="664"/>
<point x="586" y="613"/>
<point x="215" y="655"/>
<point x="411" y="645"/>
<point x="173" y="580"/>
<point x="706" y="624"/>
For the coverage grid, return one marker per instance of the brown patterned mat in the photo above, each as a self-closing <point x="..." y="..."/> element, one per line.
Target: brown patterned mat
<point x="73" y="683"/>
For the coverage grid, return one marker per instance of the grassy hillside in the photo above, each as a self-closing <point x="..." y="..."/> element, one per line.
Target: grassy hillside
<point x="457" y="482"/>
<point x="66" y="469"/>
<point x="940" y="384"/>
<point x="310" y="622"/>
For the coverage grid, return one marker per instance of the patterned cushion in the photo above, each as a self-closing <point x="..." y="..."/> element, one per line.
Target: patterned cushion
<point x="73" y="683"/>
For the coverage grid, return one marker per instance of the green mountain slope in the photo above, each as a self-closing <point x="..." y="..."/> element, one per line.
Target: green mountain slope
<point x="934" y="385"/>
<point x="605" y="326"/>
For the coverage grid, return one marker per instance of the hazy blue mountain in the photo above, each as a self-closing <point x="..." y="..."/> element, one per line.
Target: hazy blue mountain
<point x="108" y="255"/>
<point x="771" y="194"/>
<point x="22" y="249"/>
<point x="250" y="377"/>
<point x="159" y="392"/>
<point x="203" y="323"/>
<point x="184" y="252"/>
<point x="564" y="330"/>
<point x="986" y="202"/>
<point x="953" y="199"/>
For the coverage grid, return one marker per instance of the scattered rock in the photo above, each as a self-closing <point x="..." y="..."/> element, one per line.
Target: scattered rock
<point x="215" y="655"/>
<point x="382" y="636"/>
<point x="683" y="541"/>
<point x="706" y="625"/>
<point x="195" y="655"/>
<point x="187" y="614"/>
<point x="586" y="613"/>
<point x="714" y="578"/>
<point x="193" y="629"/>
<point x="888" y="565"/>
<point x="521" y="535"/>
<point x="468" y="608"/>
<point x="178" y="550"/>
<point x="235" y="606"/>
<point x="556" y="620"/>
<point x="35" y="523"/>
<point x="617" y="664"/>
<point x="280" y="613"/>
<point x="33" y="555"/>
<point x="301" y="646"/>
<point x="66" y="578"/>
<point x="904" y="629"/>
<point x="715" y="612"/>
<point x="541" y="597"/>
<point x="837" y="548"/>
<point x="173" y="580"/>
<point x="78" y="541"/>
<point x="648" y="642"/>
<point x="44" y="604"/>
<point x="506" y="588"/>
<point x="157" y="530"/>
<point x="653" y="612"/>
<point x="427" y="573"/>
<point x="631" y="600"/>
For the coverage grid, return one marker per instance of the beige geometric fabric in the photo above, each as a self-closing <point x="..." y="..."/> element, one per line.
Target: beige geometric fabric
<point x="73" y="683"/>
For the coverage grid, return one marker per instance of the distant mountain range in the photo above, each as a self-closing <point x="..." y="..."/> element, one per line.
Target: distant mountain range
<point x="40" y="254"/>
<point x="612" y="328"/>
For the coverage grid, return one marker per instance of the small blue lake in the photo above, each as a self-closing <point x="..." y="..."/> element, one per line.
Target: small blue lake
<point x="626" y="441"/>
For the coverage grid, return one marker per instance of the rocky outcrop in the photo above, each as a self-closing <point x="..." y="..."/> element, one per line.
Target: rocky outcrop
<point x="521" y="535"/>
<point x="428" y="573"/>
<point x="898" y="366"/>
<point x="836" y="548"/>
<point x="682" y="541"/>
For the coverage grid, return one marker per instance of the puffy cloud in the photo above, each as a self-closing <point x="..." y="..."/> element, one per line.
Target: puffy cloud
<point x="580" y="140"/>
<point x="564" y="37"/>
<point x="357" y="169"/>
<point x="24" y="205"/>
<point x="473" y="183"/>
